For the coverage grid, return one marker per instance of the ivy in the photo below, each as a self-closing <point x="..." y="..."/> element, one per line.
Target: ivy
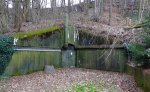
<point x="6" y="51"/>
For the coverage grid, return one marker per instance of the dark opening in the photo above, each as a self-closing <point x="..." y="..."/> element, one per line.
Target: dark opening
<point x="68" y="47"/>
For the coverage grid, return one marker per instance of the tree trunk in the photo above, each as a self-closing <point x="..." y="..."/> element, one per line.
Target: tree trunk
<point x="26" y="9"/>
<point x="69" y="8"/>
<point x="53" y="5"/>
<point x="17" y="13"/>
<point x="142" y="8"/>
<point x="3" y="22"/>
<point x="63" y="5"/>
<point x="86" y="4"/>
<point x="110" y="11"/>
<point x="101" y="6"/>
<point x="36" y="6"/>
<point x="25" y="14"/>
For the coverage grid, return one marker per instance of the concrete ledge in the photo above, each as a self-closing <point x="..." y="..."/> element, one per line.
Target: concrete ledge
<point x="100" y="47"/>
<point x="142" y="78"/>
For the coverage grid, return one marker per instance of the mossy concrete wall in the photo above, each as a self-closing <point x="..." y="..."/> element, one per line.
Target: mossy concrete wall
<point x="24" y="62"/>
<point x="51" y="40"/>
<point x="105" y="59"/>
<point x="70" y="35"/>
<point x="55" y="37"/>
<point x="142" y="78"/>
<point x="68" y="58"/>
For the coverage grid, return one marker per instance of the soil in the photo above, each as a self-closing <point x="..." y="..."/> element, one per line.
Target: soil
<point x="147" y="71"/>
<point x="62" y="79"/>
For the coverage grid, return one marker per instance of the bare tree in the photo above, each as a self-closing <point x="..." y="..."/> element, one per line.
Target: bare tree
<point x="53" y="5"/>
<point x="17" y="13"/>
<point x="141" y="10"/>
<point x="101" y="6"/>
<point x="86" y="7"/>
<point x="3" y="22"/>
<point x="36" y="6"/>
<point x="110" y="11"/>
<point x="98" y="8"/>
<point x="69" y="7"/>
<point x="26" y="9"/>
<point x="24" y="15"/>
<point x="63" y="5"/>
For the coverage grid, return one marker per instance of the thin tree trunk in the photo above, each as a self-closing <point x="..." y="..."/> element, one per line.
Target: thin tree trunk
<point x="69" y="8"/>
<point x="101" y="6"/>
<point x="110" y="11"/>
<point x="141" y="11"/>
<point x="36" y="11"/>
<point x="63" y="5"/>
<point x="17" y="13"/>
<point x="86" y="4"/>
<point x="26" y="9"/>
<point x="3" y="22"/>
<point x="24" y="15"/>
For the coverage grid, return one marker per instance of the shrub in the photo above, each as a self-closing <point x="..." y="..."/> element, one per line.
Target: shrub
<point x="141" y="51"/>
<point x="87" y="87"/>
<point x="6" y="51"/>
<point x="138" y="53"/>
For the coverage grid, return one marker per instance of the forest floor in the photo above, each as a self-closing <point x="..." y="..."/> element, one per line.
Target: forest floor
<point x="118" y="28"/>
<point x="63" y="79"/>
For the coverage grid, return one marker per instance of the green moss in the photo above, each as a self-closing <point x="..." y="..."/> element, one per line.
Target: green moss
<point x="139" y="78"/>
<point x="130" y="70"/>
<point x="39" y="32"/>
<point x="25" y="62"/>
<point x="147" y="83"/>
<point x="85" y="87"/>
<point x="142" y="79"/>
<point x="137" y="73"/>
<point x="96" y="59"/>
<point x="90" y="86"/>
<point x="51" y="40"/>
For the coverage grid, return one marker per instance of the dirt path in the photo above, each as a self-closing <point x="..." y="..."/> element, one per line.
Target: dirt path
<point x="64" y="78"/>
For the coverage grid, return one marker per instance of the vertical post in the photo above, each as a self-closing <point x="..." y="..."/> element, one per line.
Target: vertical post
<point x="66" y="34"/>
<point x="68" y="51"/>
<point x="69" y="32"/>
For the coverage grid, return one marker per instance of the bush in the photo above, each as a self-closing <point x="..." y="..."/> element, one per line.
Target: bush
<point x="138" y="52"/>
<point x="141" y="51"/>
<point x="6" y="51"/>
